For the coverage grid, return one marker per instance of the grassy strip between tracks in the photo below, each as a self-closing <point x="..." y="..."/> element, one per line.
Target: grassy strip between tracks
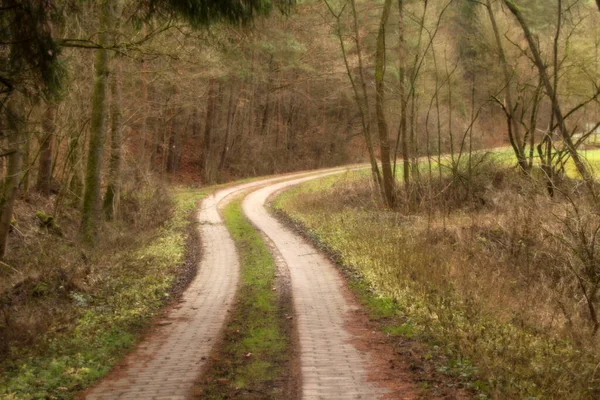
<point x="253" y="360"/>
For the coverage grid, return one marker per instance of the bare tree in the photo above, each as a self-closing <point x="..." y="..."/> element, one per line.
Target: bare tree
<point x="384" y="141"/>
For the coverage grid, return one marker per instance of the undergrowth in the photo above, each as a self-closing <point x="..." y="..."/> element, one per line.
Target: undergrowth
<point x="464" y="282"/>
<point x="94" y="301"/>
<point x="253" y="360"/>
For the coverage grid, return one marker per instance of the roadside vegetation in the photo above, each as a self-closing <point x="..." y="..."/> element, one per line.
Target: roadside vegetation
<point x="495" y="275"/>
<point x="495" y="261"/>
<point x="254" y="359"/>
<point x="68" y="311"/>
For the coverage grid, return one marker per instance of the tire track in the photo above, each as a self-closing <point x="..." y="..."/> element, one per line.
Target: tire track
<point x="331" y="366"/>
<point x="167" y="364"/>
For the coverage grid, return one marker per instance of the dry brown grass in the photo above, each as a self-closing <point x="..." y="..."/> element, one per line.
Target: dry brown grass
<point x="49" y="270"/>
<point x="488" y="271"/>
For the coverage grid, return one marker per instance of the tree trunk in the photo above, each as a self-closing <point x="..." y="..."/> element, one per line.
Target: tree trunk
<point x="144" y="120"/>
<point x="267" y="110"/>
<point x="113" y="188"/>
<point x="173" y="151"/>
<point x="44" y="178"/>
<point x="208" y="130"/>
<point x="384" y="142"/>
<point x="91" y="198"/>
<point x="13" y="176"/>
<point x="551" y="91"/>
<point x="195" y="123"/>
<point x="25" y="160"/>
<point x="514" y="131"/>
<point x="364" y="106"/>
<point x="402" y="129"/>
<point x="76" y="143"/>
<point x="232" y="109"/>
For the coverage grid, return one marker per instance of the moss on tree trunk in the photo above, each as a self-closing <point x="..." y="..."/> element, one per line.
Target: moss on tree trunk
<point x="91" y="197"/>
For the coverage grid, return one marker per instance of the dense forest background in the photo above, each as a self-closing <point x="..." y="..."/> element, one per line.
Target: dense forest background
<point x="296" y="90"/>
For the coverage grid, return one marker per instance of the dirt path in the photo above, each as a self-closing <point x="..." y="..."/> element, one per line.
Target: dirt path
<point x="331" y="365"/>
<point x="167" y="363"/>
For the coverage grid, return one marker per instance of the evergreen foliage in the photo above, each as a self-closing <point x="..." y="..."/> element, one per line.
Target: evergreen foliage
<point x="30" y="55"/>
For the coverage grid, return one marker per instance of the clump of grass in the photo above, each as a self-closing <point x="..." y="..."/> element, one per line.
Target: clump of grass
<point x="94" y="301"/>
<point x="254" y="357"/>
<point x="486" y="285"/>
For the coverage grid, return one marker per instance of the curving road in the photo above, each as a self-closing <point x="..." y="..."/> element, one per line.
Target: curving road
<point x="331" y="366"/>
<point x="167" y="364"/>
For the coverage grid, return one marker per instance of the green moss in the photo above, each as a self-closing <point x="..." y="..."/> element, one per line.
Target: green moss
<point x="256" y="346"/>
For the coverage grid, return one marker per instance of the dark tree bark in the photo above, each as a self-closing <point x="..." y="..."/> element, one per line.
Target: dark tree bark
<point x="174" y="146"/>
<point x="231" y="111"/>
<point x="113" y="188"/>
<point x="25" y="160"/>
<point x="195" y="123"/>
<point x="44" y="177"/>
<point x="402" y="129"/>
<point x="13" y="175"/>
<point x="208" y="130"/>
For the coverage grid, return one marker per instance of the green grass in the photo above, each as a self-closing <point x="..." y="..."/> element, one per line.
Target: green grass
<point x="133" y="285"/>
<point x="406" y="282"/>
<point x="506" y="156"/>
<point x="258" y="324"/>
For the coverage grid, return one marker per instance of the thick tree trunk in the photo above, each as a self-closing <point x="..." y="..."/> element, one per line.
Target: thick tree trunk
<point x="44" y="178"/>
<point x="91" y="198"/>
<point x="13" y="176"/>
<point x="113" y="188"/>
<point x="384" y="142"/>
